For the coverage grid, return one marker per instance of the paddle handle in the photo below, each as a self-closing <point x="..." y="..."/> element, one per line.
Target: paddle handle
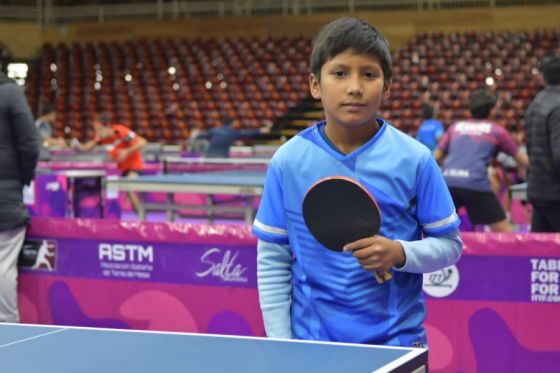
<point x="381" y="277"/>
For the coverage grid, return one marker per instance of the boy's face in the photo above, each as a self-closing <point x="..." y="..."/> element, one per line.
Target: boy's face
<point x="351" y="88"/>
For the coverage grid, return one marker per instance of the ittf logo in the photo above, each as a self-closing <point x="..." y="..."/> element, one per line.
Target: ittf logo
<point x="442" y="283"/>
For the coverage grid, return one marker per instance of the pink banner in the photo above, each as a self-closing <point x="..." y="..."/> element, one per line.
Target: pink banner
<point x="159" y="276"/>
<point x="494" y="311"/>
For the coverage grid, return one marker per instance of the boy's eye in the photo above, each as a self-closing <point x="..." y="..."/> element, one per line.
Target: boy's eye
<point x="339" y="73"/>
<point x="370" y="74"/>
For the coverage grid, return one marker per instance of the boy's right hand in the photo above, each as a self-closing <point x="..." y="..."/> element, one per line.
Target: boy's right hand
<point x="377" y="254"/>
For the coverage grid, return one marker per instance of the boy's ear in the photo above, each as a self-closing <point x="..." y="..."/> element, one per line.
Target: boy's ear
<point x="386" y="89"/>
<point x="314" y="86"/>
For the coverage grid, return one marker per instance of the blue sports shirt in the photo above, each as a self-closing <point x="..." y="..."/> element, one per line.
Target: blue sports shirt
<point x="333" y="297"/>
<point x="429" y="132"/>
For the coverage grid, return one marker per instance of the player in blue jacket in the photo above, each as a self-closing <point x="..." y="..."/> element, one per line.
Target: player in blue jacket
<point x="431" y="130"/>
<point x="309" y="292"/>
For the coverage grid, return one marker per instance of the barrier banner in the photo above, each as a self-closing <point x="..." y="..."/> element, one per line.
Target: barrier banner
<point x="494" y="311"/>
<point x="159" y="276"/>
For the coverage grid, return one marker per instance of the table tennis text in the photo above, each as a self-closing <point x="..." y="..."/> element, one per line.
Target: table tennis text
<point x="545" y="280"/>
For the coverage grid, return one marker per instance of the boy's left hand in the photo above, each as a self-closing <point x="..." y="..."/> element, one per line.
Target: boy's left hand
<point x="377" y="253"/>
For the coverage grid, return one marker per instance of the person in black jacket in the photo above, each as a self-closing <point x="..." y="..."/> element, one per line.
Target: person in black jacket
<point x="19" y="151"/>
<point x="542" y="121"/>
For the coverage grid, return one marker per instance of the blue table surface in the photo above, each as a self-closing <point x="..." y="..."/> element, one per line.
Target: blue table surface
<point x="49" y="349"/>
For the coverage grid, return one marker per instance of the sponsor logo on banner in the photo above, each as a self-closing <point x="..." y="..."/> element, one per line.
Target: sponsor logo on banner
<point x="53" y="186"/>
<point x="222" y="264"/>
<point x="118" y="260"/>
<point x="38" y="254"/>
<point x="442" y="283"/>
<point x="545" y="274"/>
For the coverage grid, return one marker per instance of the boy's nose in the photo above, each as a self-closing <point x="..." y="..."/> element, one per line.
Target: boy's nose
<point x="354" y="86"/>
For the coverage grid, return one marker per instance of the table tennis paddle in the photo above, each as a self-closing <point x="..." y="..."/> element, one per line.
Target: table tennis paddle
<point x="338" y="210"/>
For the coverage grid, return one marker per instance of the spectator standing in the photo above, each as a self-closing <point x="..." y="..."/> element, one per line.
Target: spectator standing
<point x="542" y="121"/>
<point x="19" y="152"/>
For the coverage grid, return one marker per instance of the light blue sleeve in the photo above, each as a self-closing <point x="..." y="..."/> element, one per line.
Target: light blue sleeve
<point x="431" y="253"/>
<point x="270" y="222"/>
<point x="274" y="277"/>
<point x="435" y="208"/>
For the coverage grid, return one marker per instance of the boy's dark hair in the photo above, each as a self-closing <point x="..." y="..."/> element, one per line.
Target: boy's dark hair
<point x="481" y="104"/>
<point x="47" y="109"/>
<point x="427" y="111"/>
<point x="550" y="67"/>
<point x="350" y="33"/>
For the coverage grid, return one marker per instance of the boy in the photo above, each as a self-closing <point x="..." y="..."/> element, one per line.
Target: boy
<point x="126" y="148"/>
<point x="468" y="148"/>
<point x="309" y="292"/>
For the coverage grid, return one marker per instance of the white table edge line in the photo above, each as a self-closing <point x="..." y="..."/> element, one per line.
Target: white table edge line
<point x="399" y="361"/>
<point x="34" y="337"/>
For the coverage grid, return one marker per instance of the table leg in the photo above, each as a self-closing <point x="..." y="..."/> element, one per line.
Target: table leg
<point x="142" y="207"/>
<point x="169" y="207"/>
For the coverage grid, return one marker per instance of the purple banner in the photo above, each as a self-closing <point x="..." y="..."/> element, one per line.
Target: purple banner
<point x="208" y="264"/>
<point x="49" y="196"/>
<point x="495" y="278"/>
<point x="493" y="311"/>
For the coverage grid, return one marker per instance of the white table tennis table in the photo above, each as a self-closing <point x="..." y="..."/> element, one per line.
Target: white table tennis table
<point x="49" y="349"/>
<point x="248" y="184"/>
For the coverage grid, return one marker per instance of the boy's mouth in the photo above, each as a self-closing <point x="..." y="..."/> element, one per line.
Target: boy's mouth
<point x="353" y="105"/>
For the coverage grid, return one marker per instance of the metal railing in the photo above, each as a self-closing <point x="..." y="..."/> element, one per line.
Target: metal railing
<point x="44" y="13"/>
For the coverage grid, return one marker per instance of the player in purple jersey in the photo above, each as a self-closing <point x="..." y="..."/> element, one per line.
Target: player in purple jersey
<point x="468" y="148"/>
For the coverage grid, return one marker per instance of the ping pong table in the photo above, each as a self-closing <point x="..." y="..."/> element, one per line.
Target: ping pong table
<point x="41" y="348"/>
<point x="248" y="184"/>
<point x="189" y="165"/>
